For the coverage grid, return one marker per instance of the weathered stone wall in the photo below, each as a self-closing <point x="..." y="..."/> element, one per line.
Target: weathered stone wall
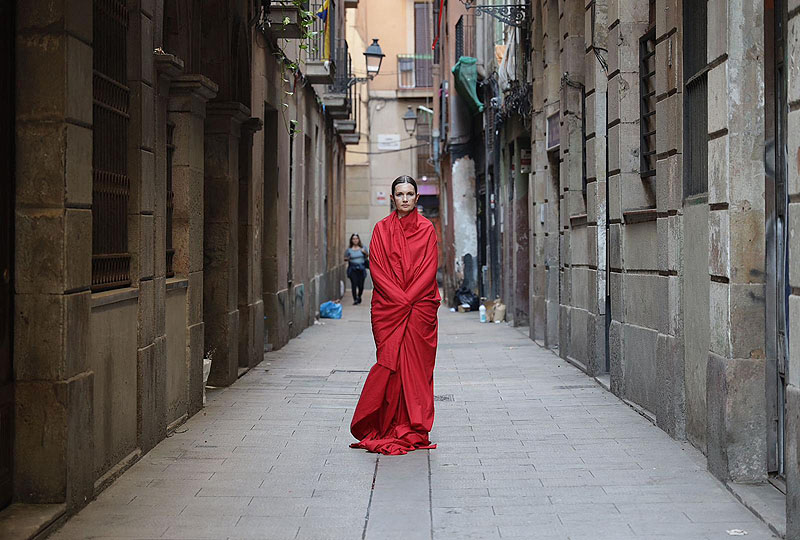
<point x="53" y="377"/>
<point x="636" y="286"/>
<point x="101" y="377"/>
<point x="736" y="368"/>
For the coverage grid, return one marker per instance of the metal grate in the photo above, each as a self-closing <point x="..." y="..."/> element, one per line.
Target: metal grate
<point x="111" y="185"/>
<point x="695" y="100"/>
<point x="170" y="199"/>
<point x="459" y="38"/>
<point x="647" y="104"/>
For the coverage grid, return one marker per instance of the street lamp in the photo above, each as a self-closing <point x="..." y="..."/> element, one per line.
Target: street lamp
<point x="374" y="57"/>
<point x="410" y="121"/>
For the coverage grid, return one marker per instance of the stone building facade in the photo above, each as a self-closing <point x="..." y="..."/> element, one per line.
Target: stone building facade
<point x="386" y="149"/>
<point x="174" y="193"/>
<point x="637" y="211"/>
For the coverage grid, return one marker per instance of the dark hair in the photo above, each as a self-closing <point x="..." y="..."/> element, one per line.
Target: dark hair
<point x="405" y="179"/>
<point x="360" y="243"/>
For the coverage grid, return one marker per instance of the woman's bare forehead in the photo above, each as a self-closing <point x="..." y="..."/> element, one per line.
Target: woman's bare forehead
<point x="408" y="188"/>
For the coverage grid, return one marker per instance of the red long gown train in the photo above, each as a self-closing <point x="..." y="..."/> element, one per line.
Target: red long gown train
<point x="395" y="411"/>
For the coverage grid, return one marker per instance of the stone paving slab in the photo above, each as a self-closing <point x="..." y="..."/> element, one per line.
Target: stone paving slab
<point x="529" y="447"/>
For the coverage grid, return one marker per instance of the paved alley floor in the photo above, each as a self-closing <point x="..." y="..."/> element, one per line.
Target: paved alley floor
<point x="529" y="447"/>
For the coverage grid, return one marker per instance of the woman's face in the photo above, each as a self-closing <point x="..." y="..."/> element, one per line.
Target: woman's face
<point x="356" y="241"/>
<point x="405" y="198"/>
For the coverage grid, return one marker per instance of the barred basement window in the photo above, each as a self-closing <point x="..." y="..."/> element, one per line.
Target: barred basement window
<point x="695" y="100"/>
<point x="647" y="104"/>
<point x="111" y="185"/>
<point x="170" y="199"/>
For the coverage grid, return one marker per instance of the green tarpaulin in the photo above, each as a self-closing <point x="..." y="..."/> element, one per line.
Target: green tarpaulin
<point x="466" y="79"/>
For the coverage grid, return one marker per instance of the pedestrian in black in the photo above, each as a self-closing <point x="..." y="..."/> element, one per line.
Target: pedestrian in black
<point x="357" y="258"/>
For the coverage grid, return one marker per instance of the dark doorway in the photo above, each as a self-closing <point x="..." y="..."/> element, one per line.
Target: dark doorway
<point x="7" y="35"/>
<point x="777" y="203"/>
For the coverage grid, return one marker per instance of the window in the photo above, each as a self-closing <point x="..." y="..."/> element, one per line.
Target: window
<point x="647" y="100"/>
<point x="423" y="73"/>
<point x="695" y="100"/>
<point x="170" y="199"/>
<point x="111" y="185"/>
<point x="459" y="38"/>
<point x="436" y="32"/>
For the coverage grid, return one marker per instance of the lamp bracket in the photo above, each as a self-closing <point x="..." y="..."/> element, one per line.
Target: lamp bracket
<point x="510" y="14"/>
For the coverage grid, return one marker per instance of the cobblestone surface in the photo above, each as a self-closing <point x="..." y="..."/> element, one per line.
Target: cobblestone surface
<point x="529" y="447"/>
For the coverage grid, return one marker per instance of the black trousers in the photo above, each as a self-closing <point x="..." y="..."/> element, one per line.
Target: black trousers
<point x="357" y="277"/>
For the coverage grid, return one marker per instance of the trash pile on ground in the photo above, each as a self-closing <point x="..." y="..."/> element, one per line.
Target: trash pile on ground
<point x="490" y="310"/>
<point x="330" y="310"/>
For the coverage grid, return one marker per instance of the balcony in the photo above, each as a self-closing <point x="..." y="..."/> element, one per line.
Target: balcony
<point x="344" y="126"/>
<point x="281" y="19"/>
<point x="338" y="96"/>
<point x="320" y="67"/>
<point x="414" y="71"/>
<point x="350" y="138"/>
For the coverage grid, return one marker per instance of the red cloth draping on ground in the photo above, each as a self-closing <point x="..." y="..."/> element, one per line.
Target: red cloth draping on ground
<point x="395" y="412"/>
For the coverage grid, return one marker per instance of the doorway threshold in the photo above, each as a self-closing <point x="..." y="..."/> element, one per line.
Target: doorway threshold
<point x="26" y="521"/>
<point x="765" y="501"/>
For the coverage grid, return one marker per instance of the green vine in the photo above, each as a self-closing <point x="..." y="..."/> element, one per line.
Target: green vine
<point x="290" y="69"/>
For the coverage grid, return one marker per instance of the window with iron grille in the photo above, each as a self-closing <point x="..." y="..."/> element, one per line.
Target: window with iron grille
<point x="436" y="32"/>
<point x="170" y="199"/>
<point x="459" y="38"/>
<point x="647" y="103"/>
<point x="111" y="185"/>
<point x="695" y="100"/>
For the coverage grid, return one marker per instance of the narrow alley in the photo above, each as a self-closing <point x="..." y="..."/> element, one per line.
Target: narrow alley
<point x="529" y="447"/>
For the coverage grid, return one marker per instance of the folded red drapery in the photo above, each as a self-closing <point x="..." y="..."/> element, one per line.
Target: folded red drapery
<point x="395" y="412"/>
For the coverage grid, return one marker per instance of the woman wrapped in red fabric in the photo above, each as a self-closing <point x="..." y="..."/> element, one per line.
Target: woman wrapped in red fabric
<point x="395" y="412"/>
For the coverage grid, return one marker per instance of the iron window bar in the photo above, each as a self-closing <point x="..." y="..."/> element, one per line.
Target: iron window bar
<point x="647" y="104"/>
<point x="170" y="250"/>
<point x="110" y="181"/>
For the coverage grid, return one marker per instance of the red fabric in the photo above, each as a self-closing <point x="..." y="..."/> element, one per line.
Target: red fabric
<point x="395" y="412"/>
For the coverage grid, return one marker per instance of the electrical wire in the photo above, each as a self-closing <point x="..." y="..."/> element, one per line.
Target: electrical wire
<point x="387" y="151"/>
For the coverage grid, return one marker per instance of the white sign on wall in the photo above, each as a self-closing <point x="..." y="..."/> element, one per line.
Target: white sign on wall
<point x="380" y="197"/>
<point x="388" y="141"/>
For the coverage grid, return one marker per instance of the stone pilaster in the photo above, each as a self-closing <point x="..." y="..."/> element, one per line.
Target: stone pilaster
<point x="736" y="368"/>
<point x="221" y="243"/>
<point x="251" y="305"/>
<point x="53" y="445"/>
<point x="187" y="111"/>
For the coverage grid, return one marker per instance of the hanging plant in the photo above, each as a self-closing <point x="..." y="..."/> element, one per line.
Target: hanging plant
<point x="295" y="23"/>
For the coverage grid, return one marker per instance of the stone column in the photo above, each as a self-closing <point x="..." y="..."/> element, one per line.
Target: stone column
<point x="736" y="367"/>
<point x="144" y="197"/>
<point x="595" y="88"/>
<point x="221" y="244"/>
<point x="670" y="363"/>
<point x="187" y="111"/>
<point x="251" y="305"/>
<point x="53" y="444"/>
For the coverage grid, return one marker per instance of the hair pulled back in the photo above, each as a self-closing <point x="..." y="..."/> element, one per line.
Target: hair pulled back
<point x="404" y="179"/>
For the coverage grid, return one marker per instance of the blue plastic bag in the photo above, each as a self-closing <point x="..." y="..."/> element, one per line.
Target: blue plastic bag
<point x="330" y="310"/>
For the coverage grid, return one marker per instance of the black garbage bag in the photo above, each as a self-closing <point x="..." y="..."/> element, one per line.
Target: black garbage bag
<point x="466" y="296"/>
